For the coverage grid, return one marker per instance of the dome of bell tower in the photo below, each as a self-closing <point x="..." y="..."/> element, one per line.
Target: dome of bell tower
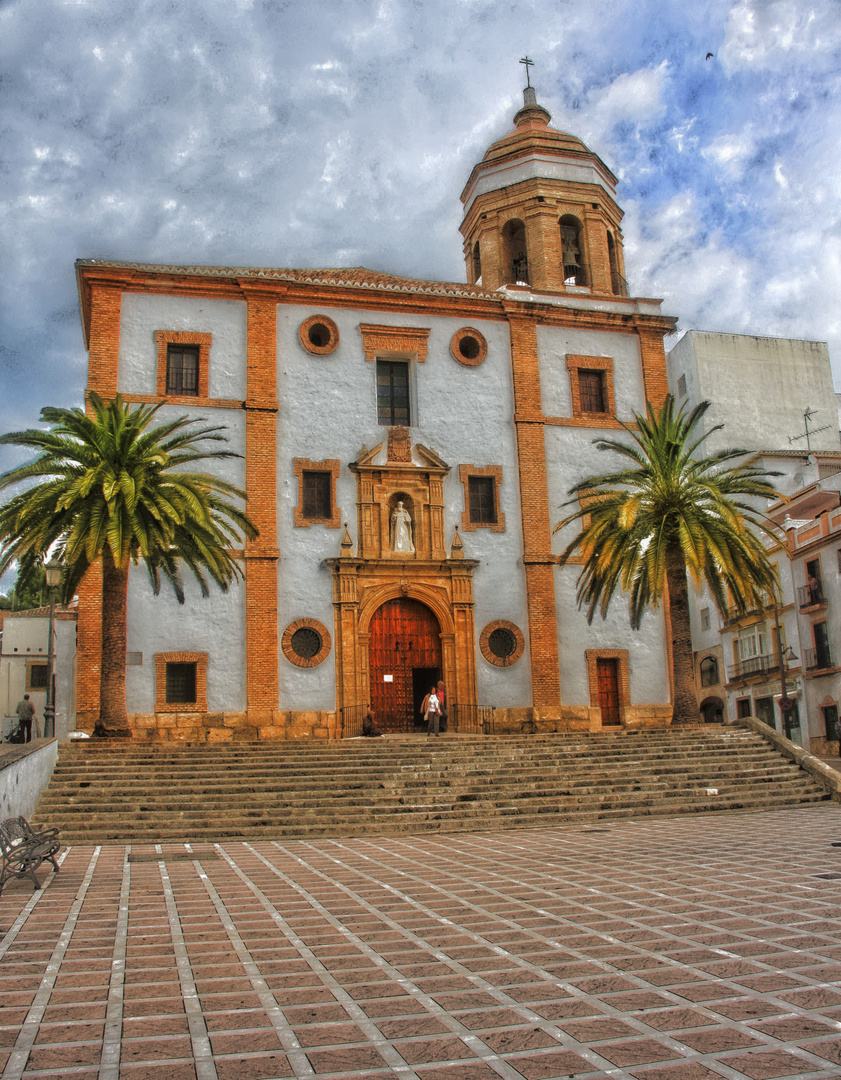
<point x="540" y="210"/>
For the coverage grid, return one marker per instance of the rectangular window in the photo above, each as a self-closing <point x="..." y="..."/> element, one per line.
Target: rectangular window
<point x="830" y="719"/>
<point x="752" y="642"/>
<point x="591" y="391"/>
<point x="481" y="495"/>
<point x="705" y="618"/>
<point x="681" y="386"/>
<point x="317" y="495"/>
<point x="38" y="676"/>
<point x="181" y="683"/>
<point x="182" y="370"/>
<point x="393" y="393"/>
<point x="822" y="653"/>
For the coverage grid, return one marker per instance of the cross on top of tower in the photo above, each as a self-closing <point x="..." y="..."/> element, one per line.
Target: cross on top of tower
<point x="528" y="63"/>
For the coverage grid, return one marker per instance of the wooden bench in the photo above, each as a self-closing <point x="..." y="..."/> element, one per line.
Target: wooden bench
<point x="23" y="850"/>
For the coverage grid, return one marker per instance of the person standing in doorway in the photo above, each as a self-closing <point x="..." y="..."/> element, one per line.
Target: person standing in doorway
<point x="433" y="713"/>
<point x="26" y="713"/>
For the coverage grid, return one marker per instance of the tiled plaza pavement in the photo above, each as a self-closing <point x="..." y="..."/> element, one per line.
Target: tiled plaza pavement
<point x="676" y="949"/>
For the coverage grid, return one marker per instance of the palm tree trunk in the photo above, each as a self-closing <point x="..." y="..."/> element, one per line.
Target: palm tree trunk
<point x="113" y="719"/>
<point x="685" y="705"/>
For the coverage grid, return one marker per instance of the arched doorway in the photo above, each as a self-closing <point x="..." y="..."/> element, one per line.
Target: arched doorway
<point x="404" y="660"/>
<point x="712" y="710"/>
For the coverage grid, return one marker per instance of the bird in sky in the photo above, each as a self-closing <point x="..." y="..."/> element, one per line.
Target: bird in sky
<point x="709" y="56"/>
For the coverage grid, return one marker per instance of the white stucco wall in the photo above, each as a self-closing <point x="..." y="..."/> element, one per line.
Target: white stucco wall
<point x="23" y="778"/>
<point x="214" y="624"/>
<point x="141" y="315"/>
<point x="759" y="388"/>
<point x="554" y="343"/>
<point x="328" y="410"/>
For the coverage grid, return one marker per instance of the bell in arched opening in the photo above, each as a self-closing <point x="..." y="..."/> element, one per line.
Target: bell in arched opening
<point x="571" y="246"/>
<point x="516" y="267"/>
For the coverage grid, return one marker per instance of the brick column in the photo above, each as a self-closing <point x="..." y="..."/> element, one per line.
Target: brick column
<point x="596" y="230"/>
<point x="543" y="236"/>
<point x="106" y="295"/>
<point x="653" y="358"/>
<point x="261" y="555"/>
<point x="534" y="504"/>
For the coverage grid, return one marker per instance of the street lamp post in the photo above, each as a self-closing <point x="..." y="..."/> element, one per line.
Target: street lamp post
<point x="785" y="658"/>
<point x="52" y="572"/>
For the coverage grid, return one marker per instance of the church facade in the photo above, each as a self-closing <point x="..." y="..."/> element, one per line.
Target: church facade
<point x="405" y="447"/>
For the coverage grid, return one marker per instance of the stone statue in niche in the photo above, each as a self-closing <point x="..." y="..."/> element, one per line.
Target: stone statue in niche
<point x="401" y="531"/>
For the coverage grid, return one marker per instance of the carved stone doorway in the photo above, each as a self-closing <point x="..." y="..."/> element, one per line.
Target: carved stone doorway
<point x="404" y="653"/>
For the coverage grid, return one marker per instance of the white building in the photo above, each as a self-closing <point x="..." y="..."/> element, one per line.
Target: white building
<point x="774" y="397"/>
<point x="23" y="667"/>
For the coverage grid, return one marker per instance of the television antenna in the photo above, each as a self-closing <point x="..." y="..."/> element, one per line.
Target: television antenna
<point x="807" y="416"/>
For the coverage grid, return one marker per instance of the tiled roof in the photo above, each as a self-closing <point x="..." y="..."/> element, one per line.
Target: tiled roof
<point x="357" y="277"/>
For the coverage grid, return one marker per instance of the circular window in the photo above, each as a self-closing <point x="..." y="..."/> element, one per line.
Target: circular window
<point x="468" y="346"/>
<point x="319" y="335"/>
<point x="306" y="643"/>
<point x="502" y="643"/>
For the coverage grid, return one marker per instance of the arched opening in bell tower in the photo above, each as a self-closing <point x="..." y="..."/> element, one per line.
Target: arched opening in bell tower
<point x="477" y="264"/>
<point x="572" y="246"/>
<point x="515" y="261"/>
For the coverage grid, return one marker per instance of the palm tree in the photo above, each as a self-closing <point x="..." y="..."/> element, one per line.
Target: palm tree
<point x="668" y="515"/>
<point x="113" y="488"/>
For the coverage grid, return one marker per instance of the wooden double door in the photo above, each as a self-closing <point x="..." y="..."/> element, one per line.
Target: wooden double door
<point x="404" y="661"/>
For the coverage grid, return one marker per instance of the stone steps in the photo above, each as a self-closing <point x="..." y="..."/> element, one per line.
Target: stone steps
<point x="115" y="791"/>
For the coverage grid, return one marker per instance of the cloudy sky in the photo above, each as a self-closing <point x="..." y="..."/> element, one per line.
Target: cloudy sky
<point x="340" y="132"/>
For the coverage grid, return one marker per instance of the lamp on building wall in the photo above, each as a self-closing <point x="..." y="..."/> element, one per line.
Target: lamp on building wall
<point x="52" y="572"/>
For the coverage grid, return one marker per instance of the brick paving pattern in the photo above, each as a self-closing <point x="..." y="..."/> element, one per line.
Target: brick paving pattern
<point x="670" y="949"/>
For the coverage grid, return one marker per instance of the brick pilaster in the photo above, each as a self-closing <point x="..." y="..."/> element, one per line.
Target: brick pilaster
<point x="534" y="502"/>
<point x="653" y="356"/>
<point x="261" y="555"/>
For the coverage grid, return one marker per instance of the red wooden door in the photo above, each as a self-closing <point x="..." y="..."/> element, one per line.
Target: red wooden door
<point x="608" y="675"/>
<point x="405" y="636"/>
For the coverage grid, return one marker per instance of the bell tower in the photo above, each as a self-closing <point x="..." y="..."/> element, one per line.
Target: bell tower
<point x="540" y="210"/>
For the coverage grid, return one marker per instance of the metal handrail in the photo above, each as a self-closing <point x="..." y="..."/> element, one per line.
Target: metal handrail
<point x="809" y="595"/>
<point x="754" y="665"/>
<point x="818" y="658"/>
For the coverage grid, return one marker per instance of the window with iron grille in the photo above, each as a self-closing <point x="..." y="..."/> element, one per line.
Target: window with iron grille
<point x="393" y="393"/>
<point x="481" y="491"/>
<point x="180" y="683"/>
<point x="317" y="495"/>
<point x="182" y="370"/>
<point x="591" y="391"/>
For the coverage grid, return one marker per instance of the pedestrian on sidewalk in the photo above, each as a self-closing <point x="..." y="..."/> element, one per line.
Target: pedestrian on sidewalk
<point x="26" y="714"/>
<point x="369" y="727"/>
<point x="442" y="701"/>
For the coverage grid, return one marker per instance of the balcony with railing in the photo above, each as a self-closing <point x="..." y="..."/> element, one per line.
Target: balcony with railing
<point x="819" y="658"/>
<point x="754" y="665"/>
<point x="811" y="596"/>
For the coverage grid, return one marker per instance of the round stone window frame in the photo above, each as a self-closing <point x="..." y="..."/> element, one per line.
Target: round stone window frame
<point x="330" y="326"/>
<point x="484" y="643"/>
<point x="306" y="661"/>
<point x="455" y="346"/>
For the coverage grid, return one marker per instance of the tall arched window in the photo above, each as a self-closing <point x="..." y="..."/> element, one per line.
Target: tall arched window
<point x="617" y="282"/>
<point x="516" y="264"/>
<point x="572" y="245"/>
<point x="477" y="263"/>
<point x="709" y="671"/>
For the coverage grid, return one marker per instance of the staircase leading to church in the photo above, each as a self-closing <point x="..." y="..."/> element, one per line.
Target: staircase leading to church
<point x="103" y="791"/>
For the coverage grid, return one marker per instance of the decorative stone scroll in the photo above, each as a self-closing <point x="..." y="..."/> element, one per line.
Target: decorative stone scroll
<point x="400" y="340"/>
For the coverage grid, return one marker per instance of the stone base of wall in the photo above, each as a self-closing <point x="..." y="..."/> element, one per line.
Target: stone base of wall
<point x="282" y="725"/>
<point x="232" y="727"/>
<point x="824" y="747"/>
